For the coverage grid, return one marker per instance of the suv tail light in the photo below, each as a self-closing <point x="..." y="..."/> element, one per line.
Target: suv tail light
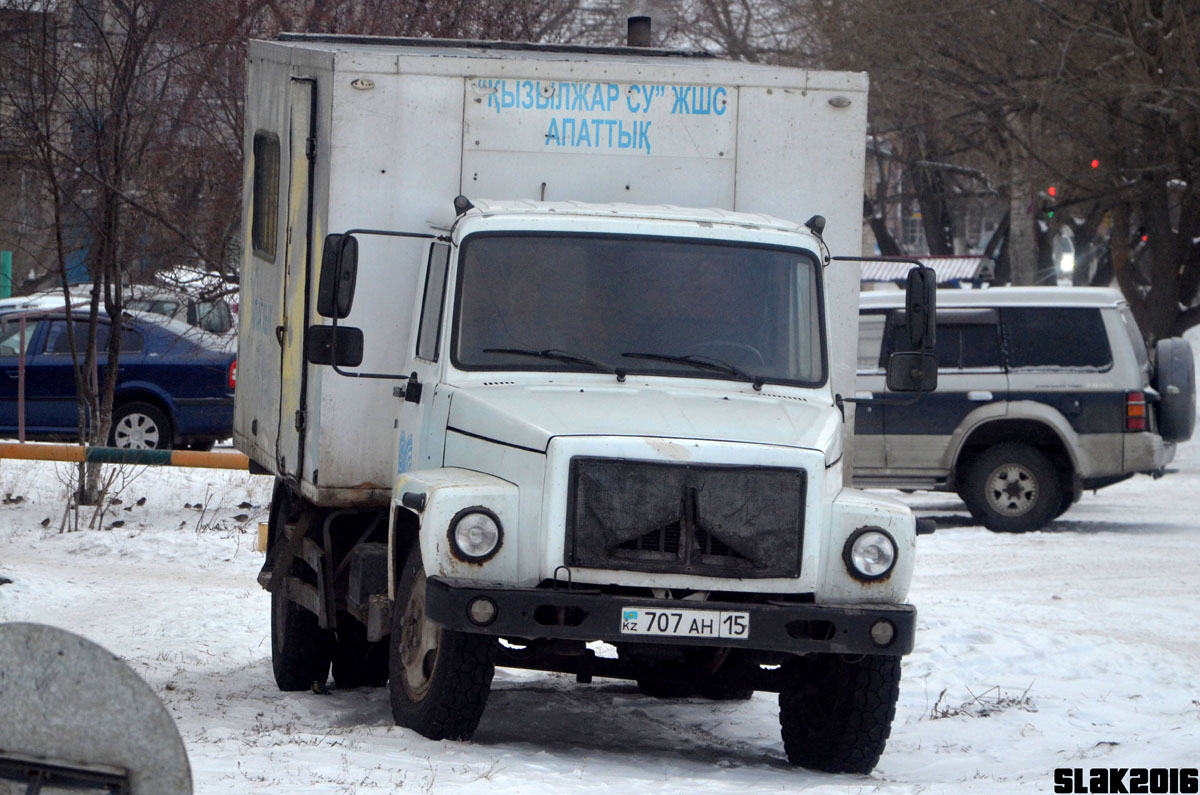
<point x="1135" y="411"/>
<point x="233" y="374"/>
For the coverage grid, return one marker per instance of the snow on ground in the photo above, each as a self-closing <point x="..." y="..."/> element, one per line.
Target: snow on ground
<point x="1071" y="647"/>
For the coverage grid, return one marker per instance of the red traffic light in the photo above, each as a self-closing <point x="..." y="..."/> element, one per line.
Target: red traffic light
<point x="1095" y="164"/>
<point x="1052" y="191"/>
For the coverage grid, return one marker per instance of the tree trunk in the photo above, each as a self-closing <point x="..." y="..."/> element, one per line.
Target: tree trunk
<point x="888" y="247"/>
<point x="1162" y="302"/>
<point x="1022" y="243"/>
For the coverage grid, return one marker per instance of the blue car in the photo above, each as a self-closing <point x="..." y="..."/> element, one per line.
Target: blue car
<point x="174" y="384"/>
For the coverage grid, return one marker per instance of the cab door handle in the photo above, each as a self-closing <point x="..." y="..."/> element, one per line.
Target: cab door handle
<point x="980" y="395"/>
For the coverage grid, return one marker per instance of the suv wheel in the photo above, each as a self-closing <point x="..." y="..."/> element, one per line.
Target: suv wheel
<point x="1012" y="488"/>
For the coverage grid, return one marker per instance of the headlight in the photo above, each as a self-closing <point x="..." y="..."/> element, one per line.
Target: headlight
<point x="870" y="554"/>
<point x="475" y="534"/>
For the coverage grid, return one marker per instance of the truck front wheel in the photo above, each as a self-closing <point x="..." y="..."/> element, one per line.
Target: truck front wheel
<point x="836" y="712"/>
<point x="440" y="679"/>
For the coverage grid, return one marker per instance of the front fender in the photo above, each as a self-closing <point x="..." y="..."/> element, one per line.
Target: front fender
<point x="853" y="509"/>
<point x="442" y="494"/>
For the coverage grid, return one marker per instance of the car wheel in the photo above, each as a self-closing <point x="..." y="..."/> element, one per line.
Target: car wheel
<point x="1012" y="488"/>
<point x="140" y="426"/>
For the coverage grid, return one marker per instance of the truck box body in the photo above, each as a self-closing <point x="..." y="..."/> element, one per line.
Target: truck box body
<point x="344" y="134"/>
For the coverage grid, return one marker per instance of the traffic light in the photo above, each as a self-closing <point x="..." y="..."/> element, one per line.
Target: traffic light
<point x="1052" y="191"/>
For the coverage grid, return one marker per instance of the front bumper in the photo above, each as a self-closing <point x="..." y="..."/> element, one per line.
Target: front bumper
<point x="590" y="615"/>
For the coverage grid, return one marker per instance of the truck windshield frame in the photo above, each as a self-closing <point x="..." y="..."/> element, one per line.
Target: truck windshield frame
<point x="588" y="302"/>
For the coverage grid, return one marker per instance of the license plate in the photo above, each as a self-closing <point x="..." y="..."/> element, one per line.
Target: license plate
<point x="685" y="623"/>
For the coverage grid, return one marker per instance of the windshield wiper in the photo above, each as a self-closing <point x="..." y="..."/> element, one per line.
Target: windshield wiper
<point x="563" y="356"/>
<point x="704" y="363"/>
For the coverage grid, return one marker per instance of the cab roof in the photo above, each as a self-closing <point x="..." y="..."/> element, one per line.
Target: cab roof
<point x="649" y="212"/>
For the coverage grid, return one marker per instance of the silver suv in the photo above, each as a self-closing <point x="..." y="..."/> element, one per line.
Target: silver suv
<point x="1042" y="392"/>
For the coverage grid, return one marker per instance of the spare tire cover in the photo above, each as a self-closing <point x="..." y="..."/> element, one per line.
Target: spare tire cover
<point x="1175" y="380"/>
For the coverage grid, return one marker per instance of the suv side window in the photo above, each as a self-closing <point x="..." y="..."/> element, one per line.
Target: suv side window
<point x="870" y="341"/>
<point x="967" y="339"/>
<point x="1055" y="338"/>
<point x="1135" y="337"/>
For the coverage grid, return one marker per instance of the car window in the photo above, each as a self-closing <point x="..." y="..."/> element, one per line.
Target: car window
<point x="1135" y="337"/>
<point x="968" y="346"/>
<point x="967" y="339"/>
<point x="58" y="343"/>
<point x="870" y="341"/>
<point x="158" y="306"/>
<point x="10" y="337"/>
<point x="1055" y="338"/>
<point x="214" y="316"/>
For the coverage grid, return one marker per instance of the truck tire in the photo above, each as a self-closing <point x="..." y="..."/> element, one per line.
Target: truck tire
<point x="664" y="682"/>
<point x="440" y="679"/>
<point x="717" y="674"/>
<point x="1175" y="381"/>
<point x="300" y="649"/>
<point x="1012" y="488"/>
<point x="140" y="426"/>
<point x="835" y="714"/>
<point x="734" y="680"/>
<point x="358" y="662"/>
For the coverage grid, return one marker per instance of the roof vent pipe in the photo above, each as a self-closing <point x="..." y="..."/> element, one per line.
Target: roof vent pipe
<point x="639" y="32"/>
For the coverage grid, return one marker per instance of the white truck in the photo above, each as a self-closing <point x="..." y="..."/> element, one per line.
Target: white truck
<point x="518" y="400"/>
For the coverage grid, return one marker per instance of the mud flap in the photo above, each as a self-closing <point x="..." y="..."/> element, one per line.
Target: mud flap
<point x="75" y="716"/>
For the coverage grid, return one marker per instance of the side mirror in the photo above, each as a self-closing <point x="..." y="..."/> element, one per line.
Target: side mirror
<point x="339" y="271"/>
<point x="920" y="309"/>
<point x="320" y="342"/>
<point x="912" y="372"/>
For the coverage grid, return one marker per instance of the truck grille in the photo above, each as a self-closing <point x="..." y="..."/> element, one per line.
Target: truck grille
<point x="701" y="519"/>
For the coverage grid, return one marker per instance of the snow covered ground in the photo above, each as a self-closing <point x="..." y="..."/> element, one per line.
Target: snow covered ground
<point x="1071" y="647"/>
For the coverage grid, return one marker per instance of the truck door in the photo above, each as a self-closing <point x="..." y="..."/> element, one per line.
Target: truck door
<point x="868" y="418"/>
<point x="418" y="445"/>
<point x="301" y="151"/>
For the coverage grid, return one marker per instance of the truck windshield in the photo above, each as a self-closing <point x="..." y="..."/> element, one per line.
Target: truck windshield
<point x="664" y="306"/>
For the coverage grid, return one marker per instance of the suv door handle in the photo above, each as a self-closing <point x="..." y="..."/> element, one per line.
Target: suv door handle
<point x="981" y="395"/>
